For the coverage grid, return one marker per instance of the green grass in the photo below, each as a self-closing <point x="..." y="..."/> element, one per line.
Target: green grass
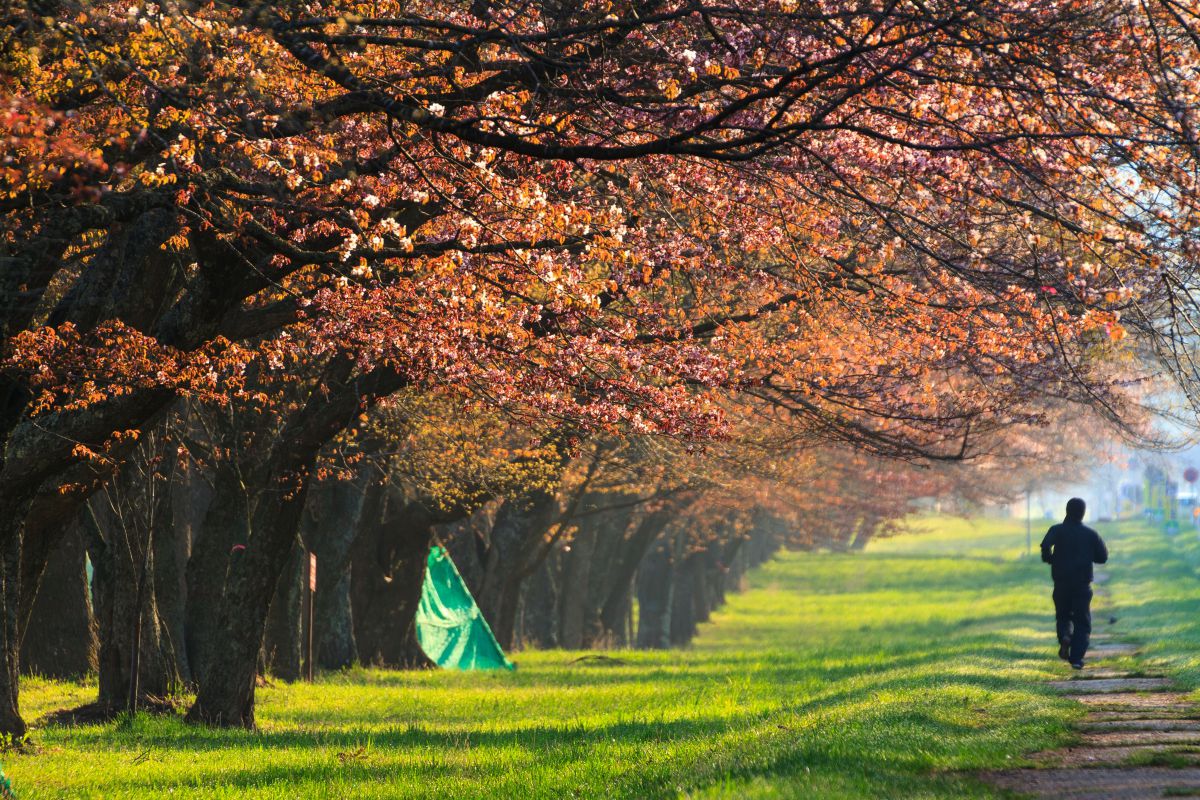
<point x="1155" y="585"/>
<point x="995" y="538"/>
<point x="888" y="674"/>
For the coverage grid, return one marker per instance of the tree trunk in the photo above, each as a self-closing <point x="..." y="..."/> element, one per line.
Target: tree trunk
<point x="610" y="530"/>
<point x="53" y="514"/>
<point x="124" y="619"/>
<point x="226" y="695"/>
<point x="685" y="580"/>
<point x="616" y="606"/>
<point x="617" y="637"/>
<point x="169" y="587"/>
<point x="329" y="527"/>
<point x="226" y="692"/>
<point x="577" y="568"/>
<point x="335" y="622"/>
<point x="12" y="515"/>
<point x="539" y="607"/>
<point x="866" y="531"/>
<point x="65" y="646"/>
<point x="388" y="572"/>
<point x="702" y="597"/>
<point x="283" y="643"/>
<point x="520" y="525"/>
<point x="726" y="575"/>
<point x="654" y="592"/>
<point x="225" y="523"/>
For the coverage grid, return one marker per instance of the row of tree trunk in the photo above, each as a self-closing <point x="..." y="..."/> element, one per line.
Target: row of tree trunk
<point x="159" y="563"/>
<point x="131" y="587"/>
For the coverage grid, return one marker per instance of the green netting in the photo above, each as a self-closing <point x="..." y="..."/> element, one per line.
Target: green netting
<point x="450" y="628"/>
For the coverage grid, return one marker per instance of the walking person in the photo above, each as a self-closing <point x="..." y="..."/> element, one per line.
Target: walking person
<point x="1070" y="548"/>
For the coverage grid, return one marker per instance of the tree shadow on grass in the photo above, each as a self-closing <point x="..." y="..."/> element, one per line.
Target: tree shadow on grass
<point x="726" y="748"/>
<point x="176" y="736"/>
<point x="924" y="643"/>
<point x="98" y="713"/>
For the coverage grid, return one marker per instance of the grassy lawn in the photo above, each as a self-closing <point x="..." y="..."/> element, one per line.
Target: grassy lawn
<point x="1155" y="580"/>
<point x="885" y="674"/>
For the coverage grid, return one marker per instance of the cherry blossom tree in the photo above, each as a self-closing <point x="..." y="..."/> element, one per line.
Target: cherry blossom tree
<point x="899" y="224"/>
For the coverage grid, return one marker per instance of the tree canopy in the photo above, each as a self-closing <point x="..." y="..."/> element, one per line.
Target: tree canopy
<point x="888" y="228"/>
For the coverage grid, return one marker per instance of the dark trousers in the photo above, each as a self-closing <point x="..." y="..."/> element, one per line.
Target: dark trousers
<point x="1073" y="616"/>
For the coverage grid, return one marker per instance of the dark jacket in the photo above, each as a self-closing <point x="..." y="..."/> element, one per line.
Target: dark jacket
<point x="1070" y="548"/>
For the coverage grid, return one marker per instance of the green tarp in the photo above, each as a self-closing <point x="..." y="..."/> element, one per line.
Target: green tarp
<point x="450" y="628"/>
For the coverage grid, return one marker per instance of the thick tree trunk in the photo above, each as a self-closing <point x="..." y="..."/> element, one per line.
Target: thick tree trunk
<point x="655" y="595"/>
<point x="577" y="569"/>
<point x="283" y="643"/>
<point x="126" y="617"/>
<point x="726" y="575"/>
<point x="520" y="525"/>
<point x="616" y="606"/>
<point x="388" y="571"/>
<point x="12" y="515"/>
<point x="866" y="531"/>
<point x="65" y="645"/>
<point x="610" y="530"/>
<point x="684" y="579"/>
<point x="225" y="523"/>
<point x="329" y="527"/>
<point x="335" y="623"/>
<point x="738" y="566"/>
<point x="618" y="637"/>
<point x="226" y="694"/>
<point x="169" y="587"/>
<point x="52" y="515"/>
<point x="763" y="541"/>
<point x="703" y="598"/>
<point x="539" y="607"/>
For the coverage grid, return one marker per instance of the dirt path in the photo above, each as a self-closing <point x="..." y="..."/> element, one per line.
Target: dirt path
<point x="1140" y="738"/>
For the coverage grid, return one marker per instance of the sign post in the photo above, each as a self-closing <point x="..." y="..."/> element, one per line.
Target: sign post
<point x="1190" y="475"/>
<point x="312" y="605"/>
